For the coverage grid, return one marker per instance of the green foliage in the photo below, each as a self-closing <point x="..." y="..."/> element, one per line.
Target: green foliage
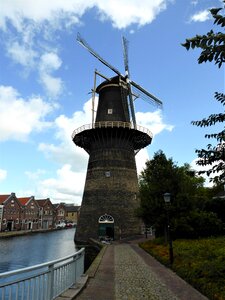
<point x="200" y="262"/>
<point x="188" y="196"/>
<point x="212" y="47"/>
<point x="193" y="212"/>
<point x="213" y="156"/>
<point x="197" y="224"/>
<point x="212" y="43"/>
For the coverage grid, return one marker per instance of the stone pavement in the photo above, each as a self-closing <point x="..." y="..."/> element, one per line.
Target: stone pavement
<point x="126" y="272"/>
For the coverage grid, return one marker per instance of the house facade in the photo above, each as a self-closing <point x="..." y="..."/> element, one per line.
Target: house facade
<point x="47" y="213"/>
<point x="10" y="213"/>
<point x="30" y="213"/>
<point x="72" y="213"/>
<point x="60" y="213"/>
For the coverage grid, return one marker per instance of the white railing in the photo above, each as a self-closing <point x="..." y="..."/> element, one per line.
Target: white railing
<point x="111" y="124"/>
<point x="44" y="281"/>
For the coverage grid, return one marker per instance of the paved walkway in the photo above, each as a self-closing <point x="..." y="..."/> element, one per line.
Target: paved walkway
<point x="126" y="272"/>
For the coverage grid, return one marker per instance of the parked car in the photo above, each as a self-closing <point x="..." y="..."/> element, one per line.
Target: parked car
<point x="61" y="225"/>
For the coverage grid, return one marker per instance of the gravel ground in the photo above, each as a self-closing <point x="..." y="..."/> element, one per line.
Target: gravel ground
<point x="135" y="280"/>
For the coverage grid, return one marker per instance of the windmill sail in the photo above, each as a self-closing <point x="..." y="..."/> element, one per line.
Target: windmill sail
<point x="95" y="54"/>
<point x="139" y="91"/>
<point x="126" y="65"/>
<point x="145" y="95"/>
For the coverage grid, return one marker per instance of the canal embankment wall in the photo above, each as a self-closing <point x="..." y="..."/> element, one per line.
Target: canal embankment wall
<point x="9" y="234"/>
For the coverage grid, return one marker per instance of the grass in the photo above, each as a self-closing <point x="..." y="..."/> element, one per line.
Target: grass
<point x="200" y="262"/>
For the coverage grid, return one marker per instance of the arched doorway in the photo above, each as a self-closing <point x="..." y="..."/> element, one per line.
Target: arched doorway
<point x="106" y="227"/>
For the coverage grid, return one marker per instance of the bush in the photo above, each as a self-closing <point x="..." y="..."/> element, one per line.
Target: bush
<point x="197" y="224"/>
<point x="200" y="262"/>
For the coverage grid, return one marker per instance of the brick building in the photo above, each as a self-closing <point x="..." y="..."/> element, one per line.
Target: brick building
<point x="10" y="213"/>
<point x="29" y="213"/>
<point x="47" y="213"/>
<point x="60" y="213"/>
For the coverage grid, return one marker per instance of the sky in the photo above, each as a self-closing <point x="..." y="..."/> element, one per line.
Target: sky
<point x="46" y="79"/>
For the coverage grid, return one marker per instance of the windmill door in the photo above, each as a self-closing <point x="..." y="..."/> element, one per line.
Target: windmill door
<point x="106" y="227"/>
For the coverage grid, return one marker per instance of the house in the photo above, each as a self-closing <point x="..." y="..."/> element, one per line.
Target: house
<point x="29" y="213"/>
<point x="10" y="212"/>
<point x="47" y="213"/>
<point x="60" y="213"/>
<point x="72" y="213"/>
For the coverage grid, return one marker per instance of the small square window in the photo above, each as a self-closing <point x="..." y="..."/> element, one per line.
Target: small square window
<point x="110" y="111"/>
<point x="107" y="174"/>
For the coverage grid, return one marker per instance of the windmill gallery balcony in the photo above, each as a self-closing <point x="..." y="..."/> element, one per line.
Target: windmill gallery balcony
<point x="141" y="136"/>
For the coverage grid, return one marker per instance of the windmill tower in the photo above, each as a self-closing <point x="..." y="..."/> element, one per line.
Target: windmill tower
<point x="113" y="139"/>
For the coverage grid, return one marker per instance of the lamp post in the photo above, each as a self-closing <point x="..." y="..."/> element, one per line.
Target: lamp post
<point x="167" y="197"/>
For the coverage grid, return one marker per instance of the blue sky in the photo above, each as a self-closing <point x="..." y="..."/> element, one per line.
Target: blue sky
<point x="46" y="78"/>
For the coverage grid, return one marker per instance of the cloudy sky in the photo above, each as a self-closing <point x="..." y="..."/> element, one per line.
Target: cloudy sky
<point x="46" y="78"/>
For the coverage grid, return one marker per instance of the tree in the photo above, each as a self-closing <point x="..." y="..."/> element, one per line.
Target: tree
<point x="212" y="47"/>
<point x="160" y="176"/>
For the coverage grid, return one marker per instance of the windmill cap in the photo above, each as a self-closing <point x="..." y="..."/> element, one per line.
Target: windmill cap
<point x="114" y="81"/>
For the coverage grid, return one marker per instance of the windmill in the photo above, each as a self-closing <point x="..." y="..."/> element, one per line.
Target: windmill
<point x="140" y="92"/>
<point x="110" y="196"/>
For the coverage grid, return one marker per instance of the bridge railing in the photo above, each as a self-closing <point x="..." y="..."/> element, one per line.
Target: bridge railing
<point x="44" y="281"/>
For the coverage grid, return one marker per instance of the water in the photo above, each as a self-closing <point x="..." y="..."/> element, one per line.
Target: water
<point x="23" y="251"/>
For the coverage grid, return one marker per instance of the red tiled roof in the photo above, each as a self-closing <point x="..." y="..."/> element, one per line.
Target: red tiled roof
<point x="24" y="200"/>
<point x="3" y="198"/>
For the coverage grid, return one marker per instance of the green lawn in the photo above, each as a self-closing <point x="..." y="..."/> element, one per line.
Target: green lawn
<point x="200" y="262"/>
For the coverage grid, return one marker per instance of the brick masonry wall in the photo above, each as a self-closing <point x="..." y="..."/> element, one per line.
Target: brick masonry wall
<point x="111" y="188"/>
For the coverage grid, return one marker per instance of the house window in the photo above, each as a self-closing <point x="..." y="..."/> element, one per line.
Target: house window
<point x="110" y="111"/>
<point x="4" y="221"/>
<point x="17" y="221"/>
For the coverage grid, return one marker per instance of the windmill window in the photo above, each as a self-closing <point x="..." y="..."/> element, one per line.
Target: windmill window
<point x="110" y="111"/>
<point x="107" y="174"/>
<point x="106" y="219"/>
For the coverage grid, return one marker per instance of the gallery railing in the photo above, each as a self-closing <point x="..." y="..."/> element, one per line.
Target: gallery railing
<point x="111" y="124"/>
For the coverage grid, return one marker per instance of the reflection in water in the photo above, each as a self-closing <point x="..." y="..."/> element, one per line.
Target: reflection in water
<point x="23" y="251"/>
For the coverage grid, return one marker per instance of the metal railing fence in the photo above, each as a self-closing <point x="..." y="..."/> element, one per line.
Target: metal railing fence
<point x="44" y="281"/>
<point x="111" y="124"/>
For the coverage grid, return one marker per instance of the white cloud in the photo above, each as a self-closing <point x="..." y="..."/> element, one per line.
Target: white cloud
<point x="19" y="117"/>
<point x="30" y="29"/>
<point x="66" y="187"/>
<point x="122" y="13"/>
<point x="153" y="121"/>
<point x="3" y="174"/>
<point x="201" y="16"/>
<point x="127" y="12"/>
<point x="22" y="54"/>
<point x="141" y="159"/>
<point x="64" y="127"/>
<point x="50" y="62"/>
<point x="35" y="175"/>
<point x="194" y="2"/>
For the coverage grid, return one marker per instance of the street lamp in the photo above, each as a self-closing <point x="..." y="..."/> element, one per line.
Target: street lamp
<point x="167" y="197"/>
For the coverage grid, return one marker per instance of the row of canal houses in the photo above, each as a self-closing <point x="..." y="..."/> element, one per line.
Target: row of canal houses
<point x="28" y="213"/>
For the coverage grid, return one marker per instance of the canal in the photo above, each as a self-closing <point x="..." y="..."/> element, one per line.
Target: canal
<point x="28" y="250"/>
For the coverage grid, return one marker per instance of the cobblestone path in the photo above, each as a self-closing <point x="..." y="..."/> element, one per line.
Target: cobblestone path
<point x="134" y="279"/>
